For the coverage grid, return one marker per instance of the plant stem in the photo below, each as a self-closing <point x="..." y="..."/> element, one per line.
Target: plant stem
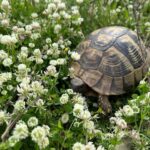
<point x="10" y="125"/>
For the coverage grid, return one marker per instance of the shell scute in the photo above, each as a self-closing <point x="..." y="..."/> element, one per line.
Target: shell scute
<point x="114" y="31"/>
<point x="117" y="86"/>
<point x="129" y="81"/>
<point x="91" y="77"/>
<point x="115" y="64"/>
<point x="130" y="51"/>
<point x="103" y="85"/>
<point x="90" y="59"/>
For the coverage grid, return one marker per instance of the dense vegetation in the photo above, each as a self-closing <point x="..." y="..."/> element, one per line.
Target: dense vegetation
<point x="38" y="109"/>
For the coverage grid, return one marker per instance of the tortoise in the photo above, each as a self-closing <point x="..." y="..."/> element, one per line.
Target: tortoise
<point x="112" y="60"/>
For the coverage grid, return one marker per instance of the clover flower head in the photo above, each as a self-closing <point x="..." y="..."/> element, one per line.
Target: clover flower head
<point x="78" y="146"/>
<point x="32" y="122"/>
<point x="21" y="130"/>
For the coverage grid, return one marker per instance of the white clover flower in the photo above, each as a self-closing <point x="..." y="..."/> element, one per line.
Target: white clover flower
<point x="135" y="135"/>
<point x="21" y="130"/>
<point x="32" y="122"/>
<point x="51" y="70"/>
<point x="97" y="132"/>
<point x="62" y="46"/>
<point x="24" y="88"/>
<point x="75" y="10"/>
<point x="39" y="61"/>
<point x="7" y="62"/>
<point x="43" y="143"/>
<point x="37" y="87"/>
<point x="2" y="117"/>
<point x="21" y="30"/>
<point x="130" y="6"/>
<point x="57" y="28"/>
<point x="37" y="1"/>
<point x="128" y="111"/>
<point x="136" y="109"/>
<point x="65" y="15"/>
<point x="90" y="146"/>
<point x="118" y="10"/>
<point x="48" y="40"/>
<point x="61" y="6"/>
<point x="28" y="27"/>
<point x="61" y="61"/>
<point x="39" y="102"/>
<point x="51" y="6"/>
<point x="5" y="4"/>
<point x="109" y="135"/>
<point x="24" y="49"/>
<point x="118" y="113"/>
<point x="38" y="134"/>
<point x="147" y="95"/>
<point x="5" y="22"/>
<point x="113" y="120"/>
<point x="47" y="129"/>
<point x="121" y="123"/>
<point x="56" y="16"/>
<point x="22" y="67"/>
<point x="3" y="55"/>
<point x="20" y="105"/>
<point x="89" y="125"/>
<point x="32" y="45"/>
<point x="148" y="25"/>
<point x="4" y="77"/>
<point x="85" y="115"/>
<point x="8" y="40"/>
<point x="142" y="82"/>
<point x="10" y="87"/>
<point x="78" y="99"/>
<point x="76" y="124"/>
<point x="79" y="1"/>
<point x="4" y="92"/>
<point x="78" y="109"/>
<point x="143" y="101"/>
<point x="35" y="36"/>
<point x="57" y="1"/>
<point x="35" y="25"/>
<point x="70" y="91"/>
<point x="13" y="140"/>
<point x="78" y="146"/>
<point x="75" y="56"/>
<point x="64" y="98"/>
<point x="100" y="147"/>
<point x="22" y="56"/>
<point x="55" y="45"/>
<point x="65" y="118"/>
<point x="53" y="62"/>
<point x="34" y="15"/>
<point x="37" y="53"/>
<point x="78" y="21"/>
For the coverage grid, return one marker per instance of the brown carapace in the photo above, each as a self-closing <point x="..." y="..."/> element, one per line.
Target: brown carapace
<point x="113" y="59"/>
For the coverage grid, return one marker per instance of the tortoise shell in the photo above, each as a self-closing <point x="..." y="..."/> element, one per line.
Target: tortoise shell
<point x="112" y="60"/>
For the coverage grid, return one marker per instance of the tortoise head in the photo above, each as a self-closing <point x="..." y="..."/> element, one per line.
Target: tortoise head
<point x="78" y="85"/>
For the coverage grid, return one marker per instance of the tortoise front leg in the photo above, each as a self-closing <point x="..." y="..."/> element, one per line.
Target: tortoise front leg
<point x="105" y="104"/>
